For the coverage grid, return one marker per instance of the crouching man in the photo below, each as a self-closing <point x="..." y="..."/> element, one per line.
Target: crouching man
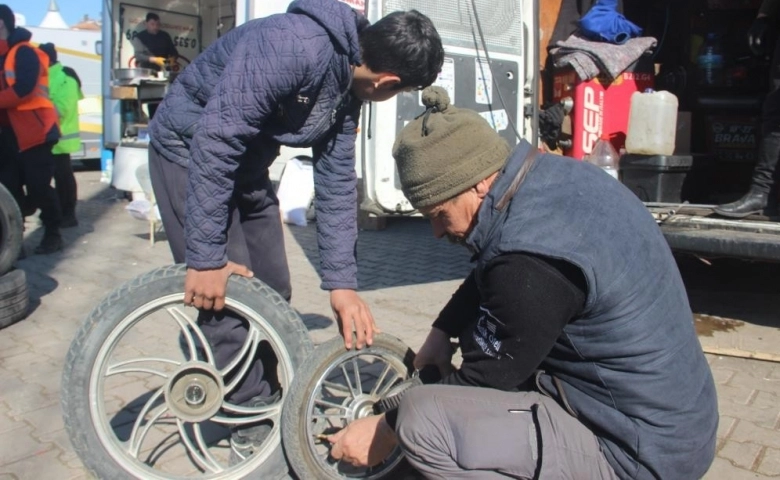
<point x="580" y="358"/>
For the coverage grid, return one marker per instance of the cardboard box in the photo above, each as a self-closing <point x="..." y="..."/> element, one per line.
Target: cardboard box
<point x="124" y="92"/>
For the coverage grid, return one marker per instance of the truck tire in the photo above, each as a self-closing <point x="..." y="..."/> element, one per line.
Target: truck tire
<point x="11" y="230"/>
<point x="94" y="440"/>
<point x="299" y="426"/>
<point x="14" y="297"/>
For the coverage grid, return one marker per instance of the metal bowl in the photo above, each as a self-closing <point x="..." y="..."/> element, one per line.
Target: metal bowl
<point x="125" y="74"/>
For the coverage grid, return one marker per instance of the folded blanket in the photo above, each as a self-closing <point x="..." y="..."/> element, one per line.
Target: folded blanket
<point x="589" y="58"/>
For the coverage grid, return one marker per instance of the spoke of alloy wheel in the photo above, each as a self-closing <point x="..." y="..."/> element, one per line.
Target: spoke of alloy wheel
<point x="327" y="417"/>
<point x="267" y="413"/>
<point x="336" y="386"/>
<point x="325" y="403"/>
<point x="352" y="390"/>
<point x="201" y="456"/>
<point x="116" y="368"/>
<point x="138" y="435"/>
<point x="380" y="379"/>
<point x="389" y="385"/>
<point x="252" y="342"/>
<point x="356" y="369"/>
<point x="185" y="324"/>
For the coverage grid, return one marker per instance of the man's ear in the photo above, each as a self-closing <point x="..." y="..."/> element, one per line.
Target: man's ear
<point x="483" y="187"/>
<point x="386" y="81"/>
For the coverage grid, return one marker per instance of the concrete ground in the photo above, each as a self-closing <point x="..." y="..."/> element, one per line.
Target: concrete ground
<point x="406" y="276"/>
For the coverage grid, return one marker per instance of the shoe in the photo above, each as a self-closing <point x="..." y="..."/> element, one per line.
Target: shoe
<point x="247" y="439"/>
<point x="69" y="221"/>
<point x="52" y="242"/>
<point x="750" y="204"/>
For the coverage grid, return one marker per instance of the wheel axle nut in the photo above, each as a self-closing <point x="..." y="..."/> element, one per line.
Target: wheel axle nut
<point x="194" y="394"/>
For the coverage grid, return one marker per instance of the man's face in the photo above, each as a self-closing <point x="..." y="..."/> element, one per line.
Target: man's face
<point x="370" y="93"/>
<point x="153" y="26"/>
<point x="454" y="218"/>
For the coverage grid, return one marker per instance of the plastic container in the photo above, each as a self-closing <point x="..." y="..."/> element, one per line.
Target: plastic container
<point x="605" y="156"/>
<point x="652" y="123"/>
<point x="656" y="178"/>
<point x="711" y="62"/>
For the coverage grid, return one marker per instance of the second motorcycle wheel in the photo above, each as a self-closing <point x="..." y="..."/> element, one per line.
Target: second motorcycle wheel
<point x="333" y="388"/>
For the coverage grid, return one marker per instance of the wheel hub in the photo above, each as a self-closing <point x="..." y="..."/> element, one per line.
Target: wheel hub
<point x="194" y="393"/>
<point x="361" y="406"/>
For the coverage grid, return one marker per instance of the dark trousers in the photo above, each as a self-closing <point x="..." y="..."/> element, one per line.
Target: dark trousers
<point x="65" y="184"/>
<point x="255" y="239"/>
<point x="32" y="170"/>
<point x="766" y="175"/>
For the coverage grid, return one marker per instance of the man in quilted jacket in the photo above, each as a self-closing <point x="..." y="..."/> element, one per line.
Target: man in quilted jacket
<point x="296" y="79"/>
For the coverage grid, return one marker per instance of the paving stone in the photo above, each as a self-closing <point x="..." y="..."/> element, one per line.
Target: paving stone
<point x="743" y="455"/>
<point x="45" y="420"/>
<point x="18" y="444"/>
<point x="770" y="464"/>
<point x="723" y="469"/>
<point x="26" y="399"/>
<point x="42" y="465"/>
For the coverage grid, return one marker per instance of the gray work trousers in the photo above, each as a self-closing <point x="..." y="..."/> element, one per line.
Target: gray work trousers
<point x="451" y="432"/>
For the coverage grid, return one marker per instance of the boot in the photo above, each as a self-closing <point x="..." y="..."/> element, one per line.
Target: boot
<point x="69" y="221"/>
<point x="753" y="202"/>
<point x="52" y="242"/>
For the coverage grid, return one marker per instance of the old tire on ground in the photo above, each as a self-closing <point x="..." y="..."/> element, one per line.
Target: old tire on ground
<point x="270" y="320"/>
<point x="327" y="394"/>
<point x="14" y="297"/>
<point x="11" y="230"/>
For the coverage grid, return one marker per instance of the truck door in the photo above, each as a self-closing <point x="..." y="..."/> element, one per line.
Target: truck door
<point x="489" y="49"/>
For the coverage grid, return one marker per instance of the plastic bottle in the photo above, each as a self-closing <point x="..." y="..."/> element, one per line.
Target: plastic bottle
<point x="652" y="123"/>
<point x="711" y="62"/>
<point x="604" y="155"/>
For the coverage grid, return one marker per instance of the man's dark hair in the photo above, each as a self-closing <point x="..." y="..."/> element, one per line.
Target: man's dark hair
<point x="7" y="16"/>
<point x="405" y="44"/>
<point x="152" y="16"/>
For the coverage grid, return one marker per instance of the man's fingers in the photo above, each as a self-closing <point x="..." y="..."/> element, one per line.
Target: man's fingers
<point x="219" y="303"/>
<point x="346" y="332"/>
<point x="336" y="452"/>
<point x="368" y="321"/>
<point x="208" y="304"/>
<point x="360" y="331"/>
<point x="238" y="269"/>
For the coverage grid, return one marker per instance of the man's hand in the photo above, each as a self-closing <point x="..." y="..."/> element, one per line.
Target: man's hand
<point x="206" y="288"/>
<point x="350" y="310"/>
<point x="364" y="443"/>
<point x="437" y="350"/>
<point x="159" y="61"/>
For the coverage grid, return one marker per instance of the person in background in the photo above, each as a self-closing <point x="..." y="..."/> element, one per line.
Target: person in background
<point x="153" y="46"/>
<point x="296" y="79"/>
<point x="763" y="194"/>
<point x="65" y="92"/>
<point x="579" y="353"/>
<point x="29" y="127"/>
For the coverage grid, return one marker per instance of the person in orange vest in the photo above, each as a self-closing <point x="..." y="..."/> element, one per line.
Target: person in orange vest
<point x="29" y="127"/>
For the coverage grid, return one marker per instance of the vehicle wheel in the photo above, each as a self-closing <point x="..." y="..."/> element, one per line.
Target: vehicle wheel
<point x="143" y="398"/>
<point x="14" y="297"/>
<point x="11" y="230"/>
<point x="332" y="388"/>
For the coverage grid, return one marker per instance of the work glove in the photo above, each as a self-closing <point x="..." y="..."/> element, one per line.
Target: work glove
<point x="757" y="36"/>
<point x="159" y="61"/>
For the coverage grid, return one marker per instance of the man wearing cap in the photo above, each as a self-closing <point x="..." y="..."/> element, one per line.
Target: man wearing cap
<point x="29" y="127"/>
<point x="580" y="358"/>
<point x="65" y="91"/>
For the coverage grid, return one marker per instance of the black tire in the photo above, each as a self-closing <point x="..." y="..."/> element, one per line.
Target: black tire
<point x="11" y="230"/>
<point x="296" y="437"/>
<point x="126" y="299"/>
<point x="14" y="297"/>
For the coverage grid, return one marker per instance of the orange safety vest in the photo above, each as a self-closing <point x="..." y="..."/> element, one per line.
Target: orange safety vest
<point x="33" y="119"/>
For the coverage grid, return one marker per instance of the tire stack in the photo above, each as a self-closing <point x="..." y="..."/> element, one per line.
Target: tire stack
<point x="14" y="295"/>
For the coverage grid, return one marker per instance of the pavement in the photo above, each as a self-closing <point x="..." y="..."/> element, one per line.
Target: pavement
<point x="406" y="276"/>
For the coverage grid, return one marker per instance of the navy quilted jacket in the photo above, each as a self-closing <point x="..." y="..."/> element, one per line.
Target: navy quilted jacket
<point x="279" y="80"/>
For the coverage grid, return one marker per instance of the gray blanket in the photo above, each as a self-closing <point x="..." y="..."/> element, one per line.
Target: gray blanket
<point x="589" y="58"/>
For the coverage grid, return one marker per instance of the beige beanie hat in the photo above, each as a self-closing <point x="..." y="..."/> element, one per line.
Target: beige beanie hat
<point x="445" y="151"/>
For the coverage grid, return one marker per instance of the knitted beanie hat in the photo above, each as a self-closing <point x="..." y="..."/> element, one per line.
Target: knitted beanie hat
<point x="445" y="151"/>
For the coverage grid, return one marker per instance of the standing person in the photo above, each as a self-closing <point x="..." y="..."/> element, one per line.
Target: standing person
<point x="65" y="92"/>
<point x="153" y="46"/>
<point x="765" y="184"/>
<point x="296" y="79"/>
<point x="580" y="358"/>
<point x="30" y="113"/>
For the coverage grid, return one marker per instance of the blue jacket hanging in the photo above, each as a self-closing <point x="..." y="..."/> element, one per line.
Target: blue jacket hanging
<point x="604" y="23"/>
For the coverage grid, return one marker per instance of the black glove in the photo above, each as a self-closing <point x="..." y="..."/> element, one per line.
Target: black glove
<point x="757" y="36"/>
